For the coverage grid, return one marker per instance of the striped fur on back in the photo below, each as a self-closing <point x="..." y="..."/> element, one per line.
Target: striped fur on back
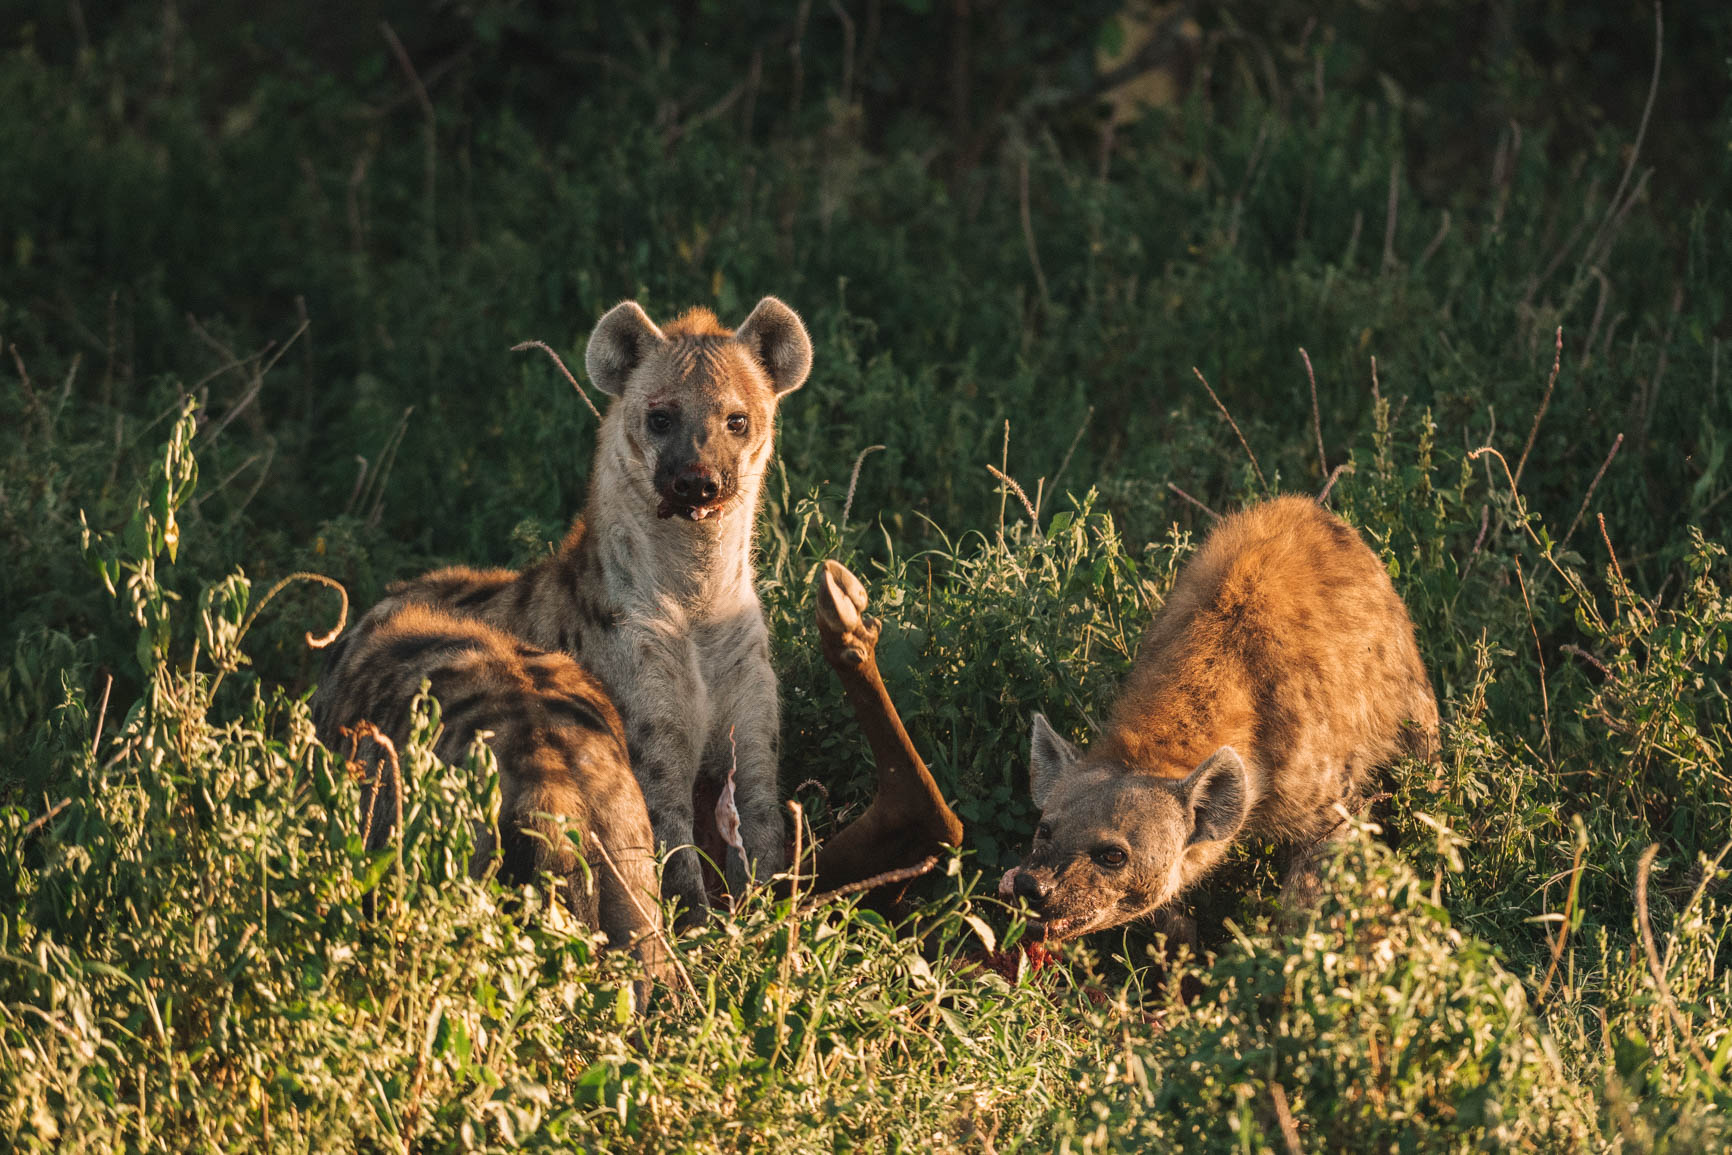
<point x="560" y="746"/>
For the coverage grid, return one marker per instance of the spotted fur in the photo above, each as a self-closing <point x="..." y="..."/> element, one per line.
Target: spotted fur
<point x="1280" y="673"/>
<point x="653" y="586"/>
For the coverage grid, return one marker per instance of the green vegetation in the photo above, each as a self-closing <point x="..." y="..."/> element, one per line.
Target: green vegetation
<point x="258" y="287"/>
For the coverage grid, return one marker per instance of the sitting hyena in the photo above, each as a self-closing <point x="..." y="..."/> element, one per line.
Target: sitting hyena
<point x="1281" y="671"/>
<point x="653" y="585"/>
<point x="559" y="742"/>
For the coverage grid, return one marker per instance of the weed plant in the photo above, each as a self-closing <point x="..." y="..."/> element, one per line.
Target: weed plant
<point x="259" y="327"/>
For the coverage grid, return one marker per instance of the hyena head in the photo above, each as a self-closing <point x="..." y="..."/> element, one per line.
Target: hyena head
<point x="1114" y="845"/>
<point x="695" y="406"/>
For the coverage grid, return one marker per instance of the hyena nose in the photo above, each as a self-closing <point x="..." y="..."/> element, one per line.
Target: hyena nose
<point x="695" y="484"/>
<point x="1030" y="887"/>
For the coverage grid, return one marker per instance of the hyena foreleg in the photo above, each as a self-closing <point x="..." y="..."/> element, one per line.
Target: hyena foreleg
<point x="755" y="719"/>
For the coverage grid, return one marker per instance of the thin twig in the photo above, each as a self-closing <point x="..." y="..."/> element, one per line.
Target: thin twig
<point x="1334" y="476"/>
<point x="1592" y="485"/>
<point x="1003" y="493"/>
<point x="1284" y="1118"/>
<point x="1071" y="448"/>
<point x="1569" y="908"/>
<point x="854" y="480"/>
<point x="365" y="729"/>
<point x="1235" y="425"/>
<point x="1585" y="656"/>
<point x="542" y="345"/>
<point x="799" y="814"/>
<point x="1316" y="416"/>
<point x="1028" y="231"/>
<point x="408" y="66"/>
<point x="315" y="641"/>
<point x="1599" y="315"/>
<point x="1194" y="501"/>
<point x="847" y="51"/>
<point x="1540" y="656"/>
<point x="101" y="712"/>
<point x="1652" y="393"/>
<point x="1391" y="212"/>
<point x="44" y="818"/>
<point x="654" y="924"/>
<point x="1545" y="403"/>
<point x="355" y="493"/>
<point x="1643" y="865"/>
<point x="905" y="874"/>
<point x="1484" y="524"/>
<point x="1436" y="241"/>
<point x="1612" y="207"/>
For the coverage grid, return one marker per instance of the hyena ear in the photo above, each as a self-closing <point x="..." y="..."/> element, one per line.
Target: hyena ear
<point x="776" y="338"/>
<point x="1218" y="792"/>
<point x="1049" y="757"/>
<point x="622" y="339"/>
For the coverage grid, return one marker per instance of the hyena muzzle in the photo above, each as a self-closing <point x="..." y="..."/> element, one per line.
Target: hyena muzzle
<point x="653" y="588"/>
<point x="1280" y="673"/>
<point x="560" y="746"/>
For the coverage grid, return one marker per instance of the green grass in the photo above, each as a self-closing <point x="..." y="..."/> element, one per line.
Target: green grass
<point x="232" y="263"/>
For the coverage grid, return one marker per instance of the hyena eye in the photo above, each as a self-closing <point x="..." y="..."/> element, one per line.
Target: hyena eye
<point x="1043" y="831"/>
<point x="658" y="421"/>
<point x="737" y="423"/>
<point x="1111" y="857"/>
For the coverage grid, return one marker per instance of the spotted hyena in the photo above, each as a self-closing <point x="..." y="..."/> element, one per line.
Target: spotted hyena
<point x="1280" y="673"/>
<point x="653" y="587"/>
<point x="560" y="746"/>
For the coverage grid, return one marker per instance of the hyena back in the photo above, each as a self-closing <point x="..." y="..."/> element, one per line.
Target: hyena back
<point x="1280" y="673"/>
<point x="653" y="586"/>
<point x="563" y="766"/>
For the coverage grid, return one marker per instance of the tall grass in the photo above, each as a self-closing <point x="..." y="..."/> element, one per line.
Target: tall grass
<point x="263" y="328"/>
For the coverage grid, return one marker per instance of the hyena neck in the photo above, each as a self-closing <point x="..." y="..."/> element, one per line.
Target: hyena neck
<point x="705" y="567"/>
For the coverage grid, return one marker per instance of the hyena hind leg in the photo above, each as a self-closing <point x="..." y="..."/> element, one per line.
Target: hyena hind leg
<point x="628" y="910"/>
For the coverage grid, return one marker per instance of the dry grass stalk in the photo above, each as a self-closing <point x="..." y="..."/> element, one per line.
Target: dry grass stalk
<point x="1284" y="1118"/>
<point x="906" y="874"/>
<point x="1592" y="485"/>
<point x="1316" y="418"/>
<point x="637" y="905"/>
<point x="854" y="481"/>
<point x="543" y="346"/>
<point x="1212" y="514"/>
<point x="1545" y="403"/>
<point x="1655" y="968"/>
<point x="1236" y="431"/>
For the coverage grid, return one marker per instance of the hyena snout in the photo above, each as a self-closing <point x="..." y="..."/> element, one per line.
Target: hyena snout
<point x="1031" y="887"/>
<point x="693" y="489"/>
<point x="695" y="485"/>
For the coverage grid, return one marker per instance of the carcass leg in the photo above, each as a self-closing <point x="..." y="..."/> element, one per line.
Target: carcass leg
<point x="907" y="820"/>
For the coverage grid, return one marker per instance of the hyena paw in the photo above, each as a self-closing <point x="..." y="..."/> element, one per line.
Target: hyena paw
<point x="847" y="633"/>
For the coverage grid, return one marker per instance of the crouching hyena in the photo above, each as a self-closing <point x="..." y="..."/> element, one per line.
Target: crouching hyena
<point x="1281" y="671"/>
<point x="653" y="585"/>
<point x="561" y="748"/>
